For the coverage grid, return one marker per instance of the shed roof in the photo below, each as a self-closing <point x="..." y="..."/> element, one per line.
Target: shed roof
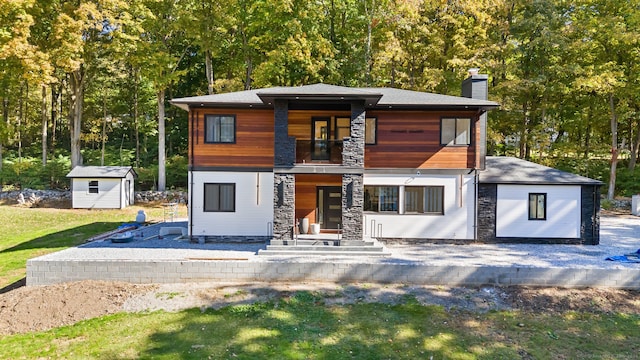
<point x="101" y="172"/>
<point x="511" y="170"/>
<point x="374" y="97"/>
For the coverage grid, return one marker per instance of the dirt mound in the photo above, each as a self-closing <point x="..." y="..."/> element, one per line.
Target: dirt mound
<point x="38" y="308"/>
<point x="45" y="307"/>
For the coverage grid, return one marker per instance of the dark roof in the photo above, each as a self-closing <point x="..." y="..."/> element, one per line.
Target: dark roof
<point x="510" y="170"/>
<point x="101" y="172"/>
<point x="374" y="97"/>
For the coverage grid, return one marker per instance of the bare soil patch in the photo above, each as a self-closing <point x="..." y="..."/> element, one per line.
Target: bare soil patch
<point x="27" y="309"/>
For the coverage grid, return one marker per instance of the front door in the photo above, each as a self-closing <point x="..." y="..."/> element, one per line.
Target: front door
<point x="330" y="207"/>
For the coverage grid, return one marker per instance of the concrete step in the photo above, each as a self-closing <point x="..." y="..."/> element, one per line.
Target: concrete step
<point x="321" y="252"/>
<point x="333" y="249"/>
<point x="320" y="242"/>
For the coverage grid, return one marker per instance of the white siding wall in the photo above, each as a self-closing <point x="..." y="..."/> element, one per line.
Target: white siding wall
<point x="563" y="212"/>
<point x="459" y="204"/>
<point x="108" y="196"/>
<point x="254" y="205"/>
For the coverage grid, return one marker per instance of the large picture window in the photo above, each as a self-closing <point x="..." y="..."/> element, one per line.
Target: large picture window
<point x="455" y="131"/>
<point x="424" y="200"/>
<point x="537" y="206"/>
<point x="219" y="197"/>
<point x="342" y="129"/>
<point x="381" y="198"/>
<point x="220" y="129"/>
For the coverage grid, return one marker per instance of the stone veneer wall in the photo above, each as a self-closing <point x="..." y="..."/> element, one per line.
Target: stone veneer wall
<point x="284" y="184"/>
<point x="352" y="206"/>
<point x="590" y="217"/>
<point x="284" y="199"/>
<point x="353" y="184"/>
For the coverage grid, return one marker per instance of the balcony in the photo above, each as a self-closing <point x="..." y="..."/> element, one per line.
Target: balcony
<point x="319" y="152"/>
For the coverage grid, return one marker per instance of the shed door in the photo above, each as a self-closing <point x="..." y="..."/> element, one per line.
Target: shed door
<point x="127" y="192"/>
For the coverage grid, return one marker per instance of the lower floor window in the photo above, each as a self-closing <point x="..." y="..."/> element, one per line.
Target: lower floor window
<point x="424" y="199"/>
<point x="219" y="197"/>
<point x="381" y="198"/>
<point x="537" y="206"/>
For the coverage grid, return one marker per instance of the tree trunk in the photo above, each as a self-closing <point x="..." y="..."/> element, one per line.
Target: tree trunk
<point x="75" y="116"/>
<point x="45" y="125"/>
<point x="614" y="149"/>
<point x="161" y="137"/>
<point x="5" y="115"/>
<point x="54" y="119"/>
<point x="209" y="70"/>
<point x="523" y="131"/>
<point x="635" y="147"/>
<point x="587" y="135"/>
<point x="104" y="127"/>
<point x="136" y="126"/>
<point x="21" y="112"/>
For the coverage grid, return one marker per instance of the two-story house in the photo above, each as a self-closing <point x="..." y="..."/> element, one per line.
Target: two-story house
<point x="366" y="162"/>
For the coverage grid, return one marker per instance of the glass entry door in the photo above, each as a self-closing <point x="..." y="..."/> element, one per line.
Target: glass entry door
<point x="320" y="139"/>
<point x="330" y="207"/>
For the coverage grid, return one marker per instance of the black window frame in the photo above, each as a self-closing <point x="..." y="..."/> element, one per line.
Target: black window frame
<point x="366" y="119"/>
<point x="455" y="130"/>
<point x="367" y="201"/>
<point x="534" y="197"/>
<point x="220" y="186"/>
<point x="94" y="187"/>
<point x="425" y="211"/>
<point x="214" y="116"/>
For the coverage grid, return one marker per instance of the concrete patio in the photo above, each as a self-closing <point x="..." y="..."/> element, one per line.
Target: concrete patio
<point x="170" y="260"/>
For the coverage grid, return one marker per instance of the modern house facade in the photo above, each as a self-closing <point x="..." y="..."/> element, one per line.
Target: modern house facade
<point x="365" y="162"/>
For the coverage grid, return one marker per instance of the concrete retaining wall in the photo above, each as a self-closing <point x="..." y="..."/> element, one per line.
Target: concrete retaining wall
<point x="44" y="272"/>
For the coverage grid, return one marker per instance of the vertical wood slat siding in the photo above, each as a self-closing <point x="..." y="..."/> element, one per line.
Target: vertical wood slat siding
<point x="254" y="140"/>
<point x="417" y="149"/>
<point x="306" y="185"/>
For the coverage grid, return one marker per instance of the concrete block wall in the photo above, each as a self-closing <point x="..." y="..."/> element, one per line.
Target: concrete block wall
<point x="45" y="272"/>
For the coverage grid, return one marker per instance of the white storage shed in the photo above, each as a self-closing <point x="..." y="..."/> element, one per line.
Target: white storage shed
<point x="102" y="187"/>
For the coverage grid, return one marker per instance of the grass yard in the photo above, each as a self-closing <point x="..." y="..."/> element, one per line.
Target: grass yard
<point x="302" y="327"/>
<point x="29" y="232"/>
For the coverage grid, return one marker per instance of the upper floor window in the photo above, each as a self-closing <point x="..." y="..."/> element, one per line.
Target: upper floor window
<point x="370" y="131"/>
<point x="343" y="129"/>
<point x="424" y="200"/>
<point x="537" y="206"/>
<point x="220" y="129"/>
<point x="455" y="131"/>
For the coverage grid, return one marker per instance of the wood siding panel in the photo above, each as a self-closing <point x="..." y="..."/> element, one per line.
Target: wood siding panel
<point x="306" y="185"/>
<point x="411" y="139"/>
<point x="254" y="140"/>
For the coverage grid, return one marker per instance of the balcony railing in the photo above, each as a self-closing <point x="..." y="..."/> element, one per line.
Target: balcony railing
<point x="323" y="151"/>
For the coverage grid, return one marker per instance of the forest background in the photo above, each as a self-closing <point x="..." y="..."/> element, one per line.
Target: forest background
<point x="88" y="82"/>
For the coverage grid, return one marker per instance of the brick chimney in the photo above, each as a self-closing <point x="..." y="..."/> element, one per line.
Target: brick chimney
<point x="476" y="87"/>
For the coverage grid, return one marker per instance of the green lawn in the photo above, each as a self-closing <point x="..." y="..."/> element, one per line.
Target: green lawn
<point x="26" y="233"/>
<point x="299" y="327"/>
<point x="302" y="327"/>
